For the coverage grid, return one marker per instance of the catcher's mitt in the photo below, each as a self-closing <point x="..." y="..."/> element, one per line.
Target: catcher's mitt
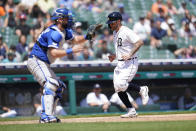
<point x="91" y="31"/>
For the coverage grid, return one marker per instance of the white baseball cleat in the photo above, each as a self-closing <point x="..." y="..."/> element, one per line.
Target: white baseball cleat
<point x="130" y="114"/>
<point x="144" y="94"/>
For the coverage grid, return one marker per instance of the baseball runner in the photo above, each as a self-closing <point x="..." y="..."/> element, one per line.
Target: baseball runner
<point x="126" y="43"/>
<point x="46" y="49"/>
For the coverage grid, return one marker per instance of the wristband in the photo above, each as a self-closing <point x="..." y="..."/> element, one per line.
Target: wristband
<point x="69" y="51"/>
<point x="85" y="37"/>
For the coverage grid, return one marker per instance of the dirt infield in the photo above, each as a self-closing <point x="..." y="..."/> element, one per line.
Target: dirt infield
<point x="171" y="117"/>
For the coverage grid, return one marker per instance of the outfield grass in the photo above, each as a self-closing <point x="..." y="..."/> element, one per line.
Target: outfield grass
<point x="121" y="126"/>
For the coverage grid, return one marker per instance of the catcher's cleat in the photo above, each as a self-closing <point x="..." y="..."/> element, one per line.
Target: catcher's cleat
<point x="49" y="119"/>
<point x="144" y="94"/>
<point x="131" y="114"/>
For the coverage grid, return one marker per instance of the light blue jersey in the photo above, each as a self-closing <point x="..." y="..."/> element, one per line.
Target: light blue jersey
<point x="50" y="37"/>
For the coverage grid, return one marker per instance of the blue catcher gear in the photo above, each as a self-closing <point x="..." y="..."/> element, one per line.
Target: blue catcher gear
<point x="64" y="13"/>
<point x="60" y="13"/>
<point x="60" y="90"/>
<point x="70" y="20"/>
<point x="52" y="92"/>
<point x="114" y="16"/>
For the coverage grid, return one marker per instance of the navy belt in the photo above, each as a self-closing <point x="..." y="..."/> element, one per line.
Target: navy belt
<point x="128" y="59"/>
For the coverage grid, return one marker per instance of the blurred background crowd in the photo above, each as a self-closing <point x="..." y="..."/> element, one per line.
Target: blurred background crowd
<point x="167" y="27"/>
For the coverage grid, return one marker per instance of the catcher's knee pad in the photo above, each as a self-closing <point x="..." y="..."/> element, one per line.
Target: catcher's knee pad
<point x="120" y="85"/>
<point x="48" y="91"/>
<point x="51" y="84"/>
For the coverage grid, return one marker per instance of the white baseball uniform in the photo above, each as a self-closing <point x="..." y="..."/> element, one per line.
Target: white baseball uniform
<point x="124" y="72"/>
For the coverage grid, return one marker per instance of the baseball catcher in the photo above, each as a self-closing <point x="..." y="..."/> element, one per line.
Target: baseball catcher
<point x="46" y="49"/>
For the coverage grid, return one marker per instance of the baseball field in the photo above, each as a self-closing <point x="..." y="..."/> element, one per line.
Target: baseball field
<point x="173" y="121"/>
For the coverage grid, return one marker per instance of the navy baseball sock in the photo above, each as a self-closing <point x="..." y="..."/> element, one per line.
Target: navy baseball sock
<point x="124" y="98"/>
<point x="134" y="87"/>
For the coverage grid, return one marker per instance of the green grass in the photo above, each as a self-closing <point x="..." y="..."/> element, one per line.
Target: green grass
<point x="121" y="126"/>
<point x="98" y="115"/>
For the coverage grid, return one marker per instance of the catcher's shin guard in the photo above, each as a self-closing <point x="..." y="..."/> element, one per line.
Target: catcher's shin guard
<point x="58" y="96"/>
<point x="48" y="107"/>
<point x="48" y="97"/>
<point x="54" y="105"/>
<point x="47" y="101"/>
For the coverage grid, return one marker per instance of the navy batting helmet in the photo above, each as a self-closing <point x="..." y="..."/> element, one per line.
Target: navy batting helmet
<point x="114" y="16"/>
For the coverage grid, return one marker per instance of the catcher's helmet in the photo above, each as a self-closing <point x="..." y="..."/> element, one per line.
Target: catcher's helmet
<point x="63" y="13"/>
<point x="114" y="16"/>
<point x="60" y="13"/>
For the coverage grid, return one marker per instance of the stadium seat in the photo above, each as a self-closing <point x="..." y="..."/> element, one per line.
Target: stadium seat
<point x="193" y="42"/>
<point x="147" y="52"/>
<point x="8" y="35"/>
<point x="165" y="54"/>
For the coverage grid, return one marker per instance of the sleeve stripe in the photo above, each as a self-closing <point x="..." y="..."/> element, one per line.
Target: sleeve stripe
<point x="53" y="46"/>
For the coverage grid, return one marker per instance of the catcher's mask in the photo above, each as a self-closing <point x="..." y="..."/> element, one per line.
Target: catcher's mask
<point x="64" y="13"/>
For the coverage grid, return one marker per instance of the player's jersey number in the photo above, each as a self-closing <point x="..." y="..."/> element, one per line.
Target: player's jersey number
<point x="119" y="42"/>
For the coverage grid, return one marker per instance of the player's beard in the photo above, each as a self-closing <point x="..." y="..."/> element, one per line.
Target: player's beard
<point x="114" y="28"/>
<point x="109" y="26"/>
